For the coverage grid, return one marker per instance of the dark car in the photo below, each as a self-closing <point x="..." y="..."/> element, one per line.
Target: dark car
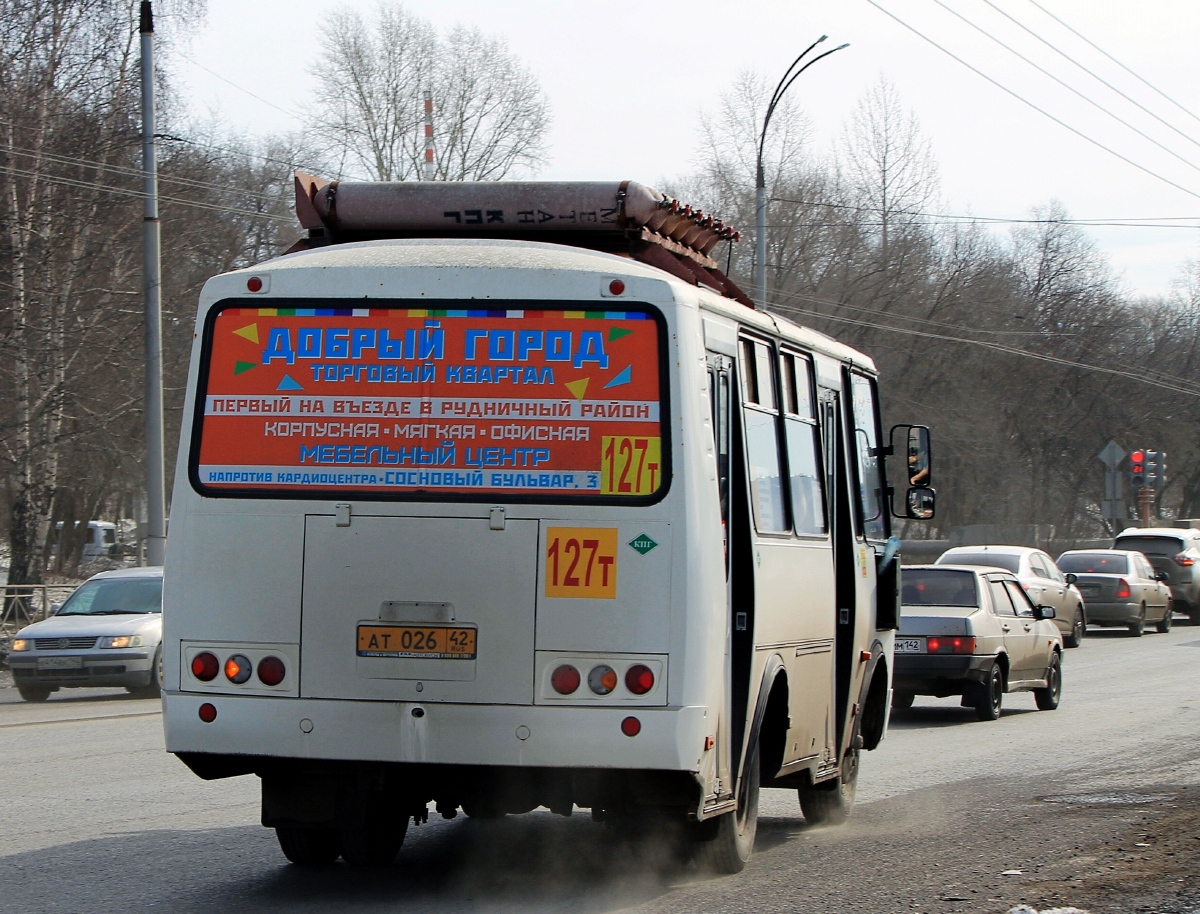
<point x="974" y="632"/>
<point x="1120" y="588"/>
<point x="1175" y="552"/>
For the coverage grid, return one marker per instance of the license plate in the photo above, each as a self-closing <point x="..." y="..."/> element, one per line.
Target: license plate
<point x="60" y="663"/>
<point x="428" y="642"/>
<point x="910" y="645"/>
<point x="1090" y="590"/>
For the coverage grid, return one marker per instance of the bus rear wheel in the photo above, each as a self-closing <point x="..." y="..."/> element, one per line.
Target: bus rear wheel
<point x="309" y="846"/>
<point x="728" y="851"/>
<point x="830" y="802"/>
<point x="376" y="844"/>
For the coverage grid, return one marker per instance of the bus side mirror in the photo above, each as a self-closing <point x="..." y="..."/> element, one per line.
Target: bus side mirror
<point x="920" y="503"/>
<point x="918" y="466"/>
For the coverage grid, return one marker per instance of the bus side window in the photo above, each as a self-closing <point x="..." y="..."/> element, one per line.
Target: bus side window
<point x="872" y="518"/>
<point x="803" y="446"/>
<point x="761" y="421"/>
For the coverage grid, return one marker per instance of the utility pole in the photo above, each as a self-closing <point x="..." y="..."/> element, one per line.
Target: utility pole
<point x="760" y="180"/>
<point x="430" y="170"/>
<point x="156" y="523"/>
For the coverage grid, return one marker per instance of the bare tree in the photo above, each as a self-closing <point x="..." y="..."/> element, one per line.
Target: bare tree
<point x="490" y="113"/>
<point x="66" y="86"/>
<point x="888" y="161"/>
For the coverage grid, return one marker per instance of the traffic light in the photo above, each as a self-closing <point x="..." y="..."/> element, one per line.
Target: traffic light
<point x="1156" y="469"/>
<point x="1137" y="469"/>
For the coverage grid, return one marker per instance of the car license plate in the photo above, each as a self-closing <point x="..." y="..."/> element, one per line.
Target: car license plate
<point x="60" y="663"/>
<point x="910" y="645"/>
<point x="1089" y="590"/>
<point x="427" y="642"/>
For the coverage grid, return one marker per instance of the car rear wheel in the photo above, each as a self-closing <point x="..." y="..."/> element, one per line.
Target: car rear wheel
<point x="1075" y="638"/>
<point x="990" y="694"/>
<point x="902" y="701"/>
<point x="1047" y="699"/>
<point x="1136" y="628"/>
<point x="1164" y="624"/>
<point x="34" y="692"/>
<point x="309" y="846"/>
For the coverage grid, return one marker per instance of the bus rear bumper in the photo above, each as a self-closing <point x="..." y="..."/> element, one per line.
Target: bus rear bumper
<point x="669" y="739"/>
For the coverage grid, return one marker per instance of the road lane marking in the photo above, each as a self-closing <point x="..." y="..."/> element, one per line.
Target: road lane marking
<point x="77" y="720"/>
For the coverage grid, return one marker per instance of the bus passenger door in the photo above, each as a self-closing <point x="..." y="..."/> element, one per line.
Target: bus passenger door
<point x="842" y="531"/>
<point x="720" y="382"/>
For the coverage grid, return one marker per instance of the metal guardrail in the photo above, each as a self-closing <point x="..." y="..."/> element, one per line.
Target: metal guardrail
<point x="24" y="604"/>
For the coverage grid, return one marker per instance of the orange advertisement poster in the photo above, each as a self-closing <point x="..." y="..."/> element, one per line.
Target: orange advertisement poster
<point x="401" y="401"/>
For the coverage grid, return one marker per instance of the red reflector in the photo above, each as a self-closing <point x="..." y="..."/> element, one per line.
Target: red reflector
<point x="254" y="284"/>
<point x="271" y="671"/>
<point x="616" y="287"/>
<point x="1122" y="589"/>
<point x="208" y="713"/>
<point x="631" y="726"/>
<point x="238" y="669"/>
<point x="205" y="667"/>
<point x="1184" y="559"/>
<point x="639" y="679"/>
<point x="565" y="679"/>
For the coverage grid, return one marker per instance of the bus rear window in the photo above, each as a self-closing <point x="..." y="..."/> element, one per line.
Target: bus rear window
<point x="387" y="401"/>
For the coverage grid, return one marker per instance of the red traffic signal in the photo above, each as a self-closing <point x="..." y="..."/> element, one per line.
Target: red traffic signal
<point x="1137" y="468"/>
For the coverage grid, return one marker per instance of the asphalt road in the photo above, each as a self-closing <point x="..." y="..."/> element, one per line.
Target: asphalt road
<point x="1093" y="805"/>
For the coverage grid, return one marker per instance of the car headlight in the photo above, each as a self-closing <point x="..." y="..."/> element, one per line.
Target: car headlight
<point x="19" y="644"/>
<point x="121" y="641"/>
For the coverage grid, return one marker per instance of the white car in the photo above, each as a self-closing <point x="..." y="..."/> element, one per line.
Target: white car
<point x="1041" y="578"/>
<point x="108" y="633"/>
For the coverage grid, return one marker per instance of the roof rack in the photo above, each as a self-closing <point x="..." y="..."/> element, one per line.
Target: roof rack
<point x="626" y="218"/>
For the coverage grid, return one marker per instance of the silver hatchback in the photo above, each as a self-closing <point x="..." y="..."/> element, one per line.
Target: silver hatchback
<point x="107" y="633"/>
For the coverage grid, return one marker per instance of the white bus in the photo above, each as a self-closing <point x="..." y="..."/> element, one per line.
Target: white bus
<point x="470" y="519"/>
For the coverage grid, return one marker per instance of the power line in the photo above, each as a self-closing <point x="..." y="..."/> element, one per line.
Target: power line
<point x="1065" y="85"/>
<point x="1030" y="104"/>
<point x="130" y="172"/>
<point x="1185" y="383"/>
<point x="1090" y="72"/>
<point x="954" y="218"/>
<point x="1189" y="390"/>
<point x="138" y="194"/>
<point x="291" y="114"/>
<point x="1140" y="79"/>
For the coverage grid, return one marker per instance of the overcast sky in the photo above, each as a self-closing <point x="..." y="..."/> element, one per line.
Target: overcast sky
<point x="628" y="82"/>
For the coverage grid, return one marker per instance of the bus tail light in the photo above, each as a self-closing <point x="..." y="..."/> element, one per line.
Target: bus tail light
<point x="955" y="644"/>
<point x="602" y="679"/>
<point x="639" y="679"/>
<point x="271" y="671"/>
<point x="1123" y="591"/>
<point x="205" y="666"/>
<point x="631" y="726"/>
<point x="565" y="679"/>
<point x="238" y="669"/>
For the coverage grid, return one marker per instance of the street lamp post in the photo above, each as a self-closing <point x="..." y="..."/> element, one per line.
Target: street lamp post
<point x="760" y="186"/>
